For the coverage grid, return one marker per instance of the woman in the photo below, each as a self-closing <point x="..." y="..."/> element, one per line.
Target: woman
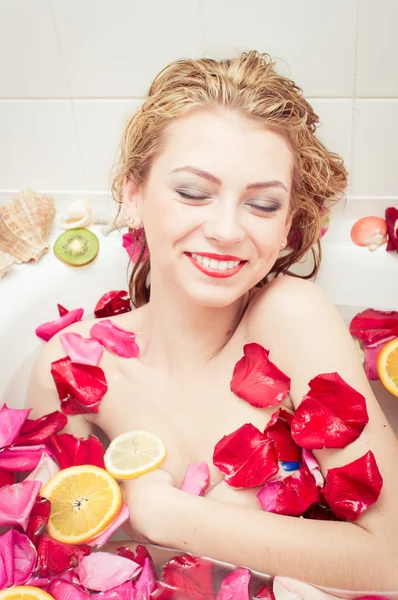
<point x="222" y="174"/>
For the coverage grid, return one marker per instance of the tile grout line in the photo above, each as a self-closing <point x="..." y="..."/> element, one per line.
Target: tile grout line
<point x="70" y="99"/>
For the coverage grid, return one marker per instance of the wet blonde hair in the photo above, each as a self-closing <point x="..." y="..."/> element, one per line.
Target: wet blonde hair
<point x="250" y="86"/>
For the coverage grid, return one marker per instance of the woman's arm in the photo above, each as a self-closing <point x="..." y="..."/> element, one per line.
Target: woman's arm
<point x="306" y="336"/>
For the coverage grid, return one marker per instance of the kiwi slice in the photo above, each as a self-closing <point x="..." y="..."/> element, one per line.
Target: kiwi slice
<point x="76" y="247"/>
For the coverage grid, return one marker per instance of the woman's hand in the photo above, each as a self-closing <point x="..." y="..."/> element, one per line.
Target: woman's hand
<point x="144" y="495"/>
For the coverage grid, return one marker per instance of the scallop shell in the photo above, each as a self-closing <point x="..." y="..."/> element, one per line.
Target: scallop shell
<point x="78" y="215"/>
<point x="6" y="262"/>
<point x="24" y="225"/>
<point x="370" y="232"/>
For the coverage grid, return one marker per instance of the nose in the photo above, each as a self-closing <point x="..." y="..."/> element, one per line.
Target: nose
<point x="224" y="227"/>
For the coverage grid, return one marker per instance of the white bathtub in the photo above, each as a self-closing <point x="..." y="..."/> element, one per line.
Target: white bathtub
<point x="29" y="295"/>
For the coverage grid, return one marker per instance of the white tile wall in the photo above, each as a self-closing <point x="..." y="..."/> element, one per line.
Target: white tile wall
<point x="70" y="73"/>
<point x="377" y="74"/>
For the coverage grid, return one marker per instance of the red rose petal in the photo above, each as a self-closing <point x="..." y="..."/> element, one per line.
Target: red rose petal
<point x="320" y="512"/>
<point x="391" y="216"/>
<point x="47" y="330"/>
<point x="139" y="557"/>
<point x="80" y="387"/>
<point x="112" y="303"/>
<point x="258" y="380"/>
<point x="278" y="430"/>
<point x="246" y="457"/>
<point x="62" y="310"/>
<point x="264" y="592"/>
<point x="71" y="451"/>
<point x="351" y="489"/>
<point x="293" y="494"/>
<point x="39" y="516"/>
<point x="114" y="338"/>
<point x="331" y="415"/>
<point x="186" y="578"/>
<point x="6" y="478"/>
<point x="235" y="585"/>
<point x="54" y="557"/>
<point x="373" y="319"/>
<point x="37" y="431"/>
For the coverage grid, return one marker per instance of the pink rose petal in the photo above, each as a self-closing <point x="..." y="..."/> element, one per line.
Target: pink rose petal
<point x="351" y="489"/>
<point x="125" y="591"/>
<point x="332" y="414"/>
<point x="246" y="457"/>
<point x="16" y="502"/>
<point x="146" y="582"/>
<point x="235" y="586"/>
<point x="47" y="330"/>
<point x="196" y="479"/>
<point x="104" y="536"/>
<point x="84" y="351"/>
<point x="258" y="380"/>
<point x="17" y="558"/>
<point x="64" y="590"/>
<point x="391" y="216"/>
<point x="312" y="465"/>
<point x="102" y="571"/>
<point x="46" y="469"/>
<point x="133" y="242"/>
<point x="114" y="338"/>
<point x="21" y="459"/>
<point x="11" y="422"/>
<point x="292" y="589"/>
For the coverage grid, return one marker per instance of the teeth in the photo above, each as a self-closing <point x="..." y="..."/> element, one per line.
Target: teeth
<point x="216" y="265"/>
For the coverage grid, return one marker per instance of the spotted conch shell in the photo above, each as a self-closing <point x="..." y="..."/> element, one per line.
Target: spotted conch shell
<point x="78" y="215"/>
<point x="24" y="225"/>
<point x="370" y="232"/>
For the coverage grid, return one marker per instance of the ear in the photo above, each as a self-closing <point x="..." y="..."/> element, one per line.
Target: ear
<point x="288" y="223"/>
<point x="132" y="201"/>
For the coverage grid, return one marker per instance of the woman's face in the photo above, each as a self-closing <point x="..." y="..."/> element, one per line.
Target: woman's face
<point x="215" y="207"/>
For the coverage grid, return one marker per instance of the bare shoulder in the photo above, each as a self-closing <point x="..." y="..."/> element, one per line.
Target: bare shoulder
<point x="42" y="395"/>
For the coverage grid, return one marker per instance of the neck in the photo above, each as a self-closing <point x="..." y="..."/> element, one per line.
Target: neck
<point x="179" y="336"/>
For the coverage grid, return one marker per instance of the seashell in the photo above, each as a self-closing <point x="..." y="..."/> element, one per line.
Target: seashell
<point x="110" y="222"/>
<point x="370" y="232"/>
<point x="6" y="262"/>
<point x="78" y="215"/>
<point x="24" y="225"/>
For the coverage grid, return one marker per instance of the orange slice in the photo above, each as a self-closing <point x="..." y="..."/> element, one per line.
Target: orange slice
<point x="387" y="366"/>
<point x="84" y="501"/>
<point x="134" y="453"/>
<point x="24" y="592"/>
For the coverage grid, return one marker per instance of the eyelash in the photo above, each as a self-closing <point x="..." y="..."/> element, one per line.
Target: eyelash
<point x="269" y="209"/>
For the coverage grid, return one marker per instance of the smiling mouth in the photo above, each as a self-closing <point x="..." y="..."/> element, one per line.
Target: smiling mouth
<point x="223" y="268"/>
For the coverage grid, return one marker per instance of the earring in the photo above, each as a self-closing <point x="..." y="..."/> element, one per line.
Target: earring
<point x="282" y="244"/>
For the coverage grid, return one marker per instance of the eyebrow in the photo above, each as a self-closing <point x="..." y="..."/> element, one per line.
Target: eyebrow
<point x="214" y="179"/>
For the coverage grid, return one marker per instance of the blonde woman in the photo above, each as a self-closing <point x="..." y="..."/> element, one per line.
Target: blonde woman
<point x="222" y="173"/>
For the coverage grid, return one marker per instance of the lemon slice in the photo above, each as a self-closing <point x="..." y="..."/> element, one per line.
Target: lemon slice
<point x="387" y="366"/>
<point x="134" y="453"/>
<point x="84" y="501"/>
<point x="24" y="592"/>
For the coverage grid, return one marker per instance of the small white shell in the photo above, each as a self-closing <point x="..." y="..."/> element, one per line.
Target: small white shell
<point x="78" y="215"/>
<point x="110" y="221"/>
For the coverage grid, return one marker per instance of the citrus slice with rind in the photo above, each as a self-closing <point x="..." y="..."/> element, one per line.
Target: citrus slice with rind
<point x="134" y="453"/>
<point x="84" y="500"/>
<point x="387" y="366"/>
<point x="24" y="592"/>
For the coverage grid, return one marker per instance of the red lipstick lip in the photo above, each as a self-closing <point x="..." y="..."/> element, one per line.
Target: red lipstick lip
<point x="218" y="256"/>
<point x="213" y="273"/>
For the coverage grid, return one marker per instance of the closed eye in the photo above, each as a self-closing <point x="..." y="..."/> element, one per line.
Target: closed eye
<point x="185" y="195"/>
<point x="270" y="208"/>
